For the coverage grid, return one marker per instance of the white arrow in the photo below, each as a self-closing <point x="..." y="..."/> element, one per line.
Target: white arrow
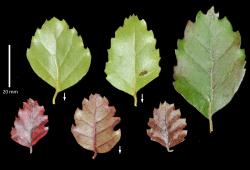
<point x="142" y="99"/>
<point x="120" y="150"/>
<point x="9" y="65"/>
<point x="64" y="97"/>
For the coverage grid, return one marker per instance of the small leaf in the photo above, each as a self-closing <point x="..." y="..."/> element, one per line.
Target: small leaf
<point x="30" y="124"/>
<point x="167" y="126"/>
<point x="94" y="125"/>
<point x="210" y="64"/>
<point x="57" y="55"/>
<point x="133" y="58"/>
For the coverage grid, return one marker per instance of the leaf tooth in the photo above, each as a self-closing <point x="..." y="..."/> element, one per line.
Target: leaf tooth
<point x="179" y="124"/>
<point x="151" y="123"/>
<point x="105" y="147"/>
<point x="173" y="116"/>
<point x="211" y="12"/>
<point x="109" y="122"/>
<point x="178" y="137"/>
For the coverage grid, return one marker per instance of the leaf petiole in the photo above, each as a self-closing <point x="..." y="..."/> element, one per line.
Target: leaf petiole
<point x="210" y="124"/>
<point x="210" y="118"/>
<point x="31" y="150"/>
<point x="169" y="150"/>
<point x="54" y="97"/>
<point x="135" y="100"/>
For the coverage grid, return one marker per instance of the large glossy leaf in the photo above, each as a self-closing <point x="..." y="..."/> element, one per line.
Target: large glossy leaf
<point x="210" y="63"/>
<point x="133" y="58"/>
<point x="57" y="55"/>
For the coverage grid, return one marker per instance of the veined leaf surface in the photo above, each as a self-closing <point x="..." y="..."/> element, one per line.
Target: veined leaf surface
<point x="133" y="58"/>
<point x="210" y="63"/>
<point x="57" y="55"/>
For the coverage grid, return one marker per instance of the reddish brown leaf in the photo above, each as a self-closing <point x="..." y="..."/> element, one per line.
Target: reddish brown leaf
<point x="167" y="126"/>
<point x="30" y="124"/>
<point x="94" y="125"/>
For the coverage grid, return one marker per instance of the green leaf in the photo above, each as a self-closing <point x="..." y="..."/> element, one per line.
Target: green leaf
<point x="210" y="64"/>
<point x="57" y="55"/>
<point x="133" y="58"/>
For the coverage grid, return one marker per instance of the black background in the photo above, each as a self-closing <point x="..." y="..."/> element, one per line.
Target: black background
<point x="97" y="23"/>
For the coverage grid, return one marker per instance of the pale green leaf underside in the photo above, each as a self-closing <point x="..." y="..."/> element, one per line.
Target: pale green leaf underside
<point x="57" y="55"/>
<point x="133" y="59"/>
<point x="210" y="63"/>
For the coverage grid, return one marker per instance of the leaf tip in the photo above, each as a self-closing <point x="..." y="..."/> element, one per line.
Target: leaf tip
<point x="133" y="16"/>
<point x="211" y="12"/>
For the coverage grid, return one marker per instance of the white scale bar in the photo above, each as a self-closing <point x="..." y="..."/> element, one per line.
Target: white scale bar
<point x="9" y="65"/>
